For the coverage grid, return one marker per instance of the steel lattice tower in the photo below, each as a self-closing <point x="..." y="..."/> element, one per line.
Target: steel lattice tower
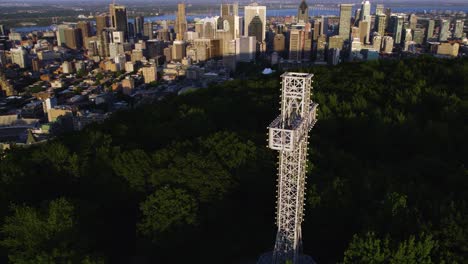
<point x="289" y="135"/>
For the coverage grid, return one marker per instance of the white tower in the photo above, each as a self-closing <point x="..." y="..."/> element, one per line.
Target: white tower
<point x="289" y="135"/>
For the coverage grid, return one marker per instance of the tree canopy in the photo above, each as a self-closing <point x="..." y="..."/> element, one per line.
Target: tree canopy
<point x="190" y="178"/>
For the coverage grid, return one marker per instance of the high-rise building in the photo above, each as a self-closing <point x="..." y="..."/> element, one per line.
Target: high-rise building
<point x="67" y="67"/>
<point x="444" y="30"/>
<point x="178" y="50"/>
<point x="246" y="48"/>
<point x="377" y="42"/>
<point x="115" y="49"/>
<point x="320" y="48"/>
<point x="428" y="25"/>
<point x="430" y="29"/>
<point x="380" y="24"/>
<point x="388" y="13"/>
<point x="19" y="57"/>
<point x="181" y="22"/>
<point x="303" y="12"/>
<point x="408" y="34"/>
<point x="364" y="31"/>
<point x="92" y="46"/>
<point x="139" y="22"/>
<point x="154" y="48"/>
<point x="256" y="28"/>
<point x="365" y="11"/>
<point x="150" y="73"/>
<point x="335" y="42"/>
<point x="131" y="30"/>
<point x="148" y="30"/>
<point x="85" y="28"/>
<point x="2" y="30"/>
<point x="300" y="44"/>
<point x="119" y="20"/>
<point x="104" y="38"/>
<point x="387" y="44"/>
<point x="73" y="38"/>
<point x="333" y="56"/>
<point x="118" y="37"/>
<point x="317" y="29"/>
<point x="379" y="10"/>
<point x="206" y="49"/>
<point x="229" y="10"/>
<point x="418" y="36"/>
<point x="345" y="20"/>
<point x="279" y="44"/>
<point x="250" y="12"/>
<point x="458" y="32"/>
<point x="36" y="64"/>
<point x="396" y="28"/>
<point x="102" y="22"/>
<point x="413" y="20"/>
<point x="366" y="17"/>
<point x="61" y="34"/>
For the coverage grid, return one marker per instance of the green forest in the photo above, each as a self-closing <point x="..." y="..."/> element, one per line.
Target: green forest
<point x="190" y="179"/>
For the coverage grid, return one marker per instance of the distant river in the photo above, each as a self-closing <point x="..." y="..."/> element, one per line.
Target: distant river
<point x="288" y="12"/>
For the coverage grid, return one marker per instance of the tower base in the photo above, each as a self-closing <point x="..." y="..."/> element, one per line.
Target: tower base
<point x="267" y="258"/>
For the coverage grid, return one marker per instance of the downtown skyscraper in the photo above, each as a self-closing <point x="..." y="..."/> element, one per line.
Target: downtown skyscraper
<point x="345" y="20"/>
<point x="118" y="14"/>
<point x="181" y="21"/>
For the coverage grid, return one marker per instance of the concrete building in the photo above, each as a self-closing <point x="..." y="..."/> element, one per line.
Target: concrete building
<point x="207" y="49"/>
<point x="19" y="56"/>
<point x="129" y="66"/>
<point x="444" y="30"/>
<point x="178" y="50"/>
<point x="118" y="17"/>
<point x="139" y="24"/>
<point x="85" y="28"/>
<point x="303" y="12"/>
<point x="229" y="10"/>
<point x="345" y="20"/>
<point x="300" y="45"/>
<point x="364" y="31"/>
<point x="102" y="22"/>
<point x="61" y="34"/>
<point x="448" y="49"/>
<point x="379" y="10"/>
<point x="181" y="22"/>
<point x="458" y="32"/>
<point x="150" y="73"/>
<point x="279" y="44"/>
<point x="128" y="84"/>
<point x="148" y="30"/>
<point x="396" y="27"/>
<point x="115" y="49"/>
<point x="73" y="38"/>
<point x="387" y="44"/>
<point x="335" y="42"/>
<point x="250" y="12"/>
<point x="246" y="48"/>
<point x="67" y="67"/>
<point x="380" y="24"/>
<point x="377" y="43"/>
<point x="320" y="48"/>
